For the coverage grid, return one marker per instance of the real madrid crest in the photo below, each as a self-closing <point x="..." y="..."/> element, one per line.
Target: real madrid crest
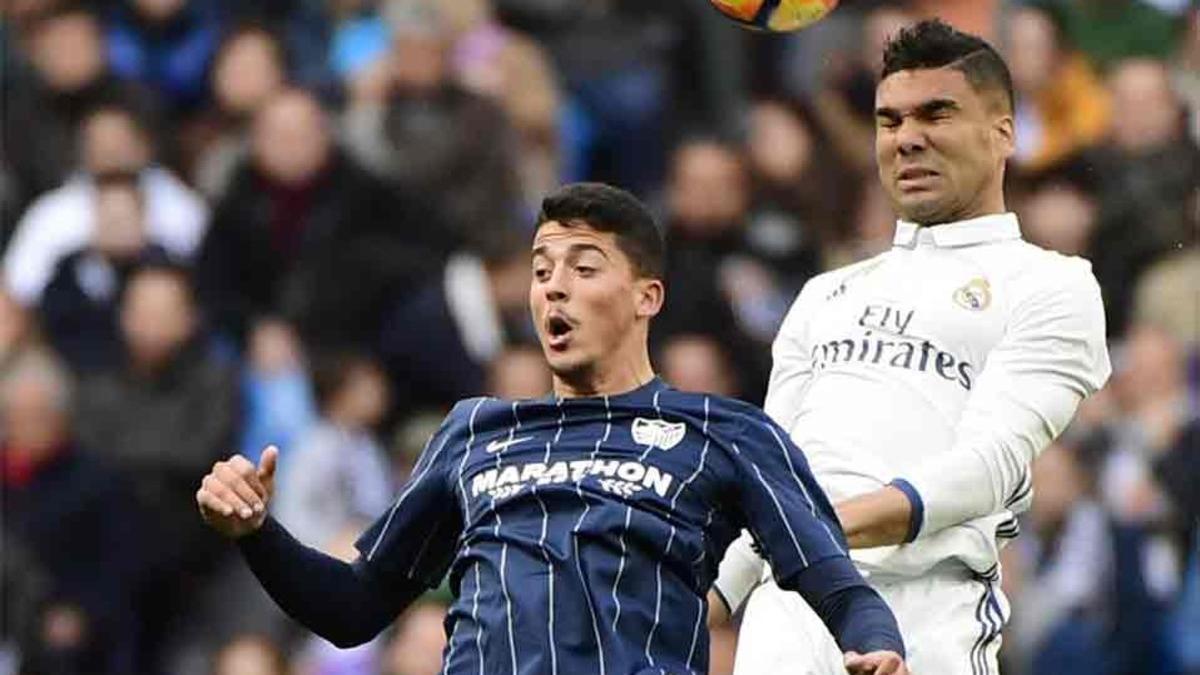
<point x="976" y="295"/>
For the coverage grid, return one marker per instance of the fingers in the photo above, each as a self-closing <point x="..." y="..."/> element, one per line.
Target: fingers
<point x="216" y="485"/>
<point x="238" y="482"/>
<point x="210" y="504"/>
<point x="249" y="473"/>
<point x="266" y="464"/>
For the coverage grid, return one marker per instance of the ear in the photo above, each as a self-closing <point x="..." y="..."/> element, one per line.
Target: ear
<point x="1006" y="135"/>
<point x="649" y="296"/>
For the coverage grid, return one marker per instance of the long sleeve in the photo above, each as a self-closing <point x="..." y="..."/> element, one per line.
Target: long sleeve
<point x="342" y="602"/>
<point x="792" y="363"/>
<point x="742" y="567"/>
<point x="1052" y="356"/>
<point x="740" y="572"/>
<point x="859" y="620"/>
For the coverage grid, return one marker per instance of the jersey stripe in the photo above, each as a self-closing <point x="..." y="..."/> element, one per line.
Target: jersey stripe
<point x="778" y="507"/>
<point x="545" y="553"/>
<point x="421" y="474"/>
<point x="508" y="608"/>
<point x="699" y="469"/>
<point x="575" y="539"/>
<point x="800" y="484"/>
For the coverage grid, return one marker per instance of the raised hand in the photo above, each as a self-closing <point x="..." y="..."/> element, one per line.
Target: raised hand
<point x="233" y="497"/>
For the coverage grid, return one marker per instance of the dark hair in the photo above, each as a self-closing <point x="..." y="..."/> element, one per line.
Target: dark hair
<point x="935" y="44"/>
<point x="252" y="28"/>
<point x="331" y="372"/>
<point x="609" y="209"/>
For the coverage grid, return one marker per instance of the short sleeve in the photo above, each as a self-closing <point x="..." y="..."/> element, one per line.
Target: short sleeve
<point x="785" y="510"/>
<point x="415" y="540"/>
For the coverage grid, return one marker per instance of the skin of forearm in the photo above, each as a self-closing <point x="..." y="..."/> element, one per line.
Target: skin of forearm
<point x="878" y="518"/>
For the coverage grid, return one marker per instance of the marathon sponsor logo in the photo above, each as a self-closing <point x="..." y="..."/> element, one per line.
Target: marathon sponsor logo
<point x="905" y="354"/>
<point x="625" y="478"/>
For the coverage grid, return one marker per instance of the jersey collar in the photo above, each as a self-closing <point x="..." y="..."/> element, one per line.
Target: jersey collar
<point x="982" y="230"/>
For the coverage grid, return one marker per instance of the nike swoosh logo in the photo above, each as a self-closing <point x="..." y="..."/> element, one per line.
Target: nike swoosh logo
<point x="498" y="445"/>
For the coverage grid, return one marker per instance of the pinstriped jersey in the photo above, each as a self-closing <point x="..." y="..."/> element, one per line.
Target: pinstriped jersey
<point x="581" y="535"/>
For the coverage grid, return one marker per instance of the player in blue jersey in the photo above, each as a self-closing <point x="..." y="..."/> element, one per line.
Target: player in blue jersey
<point x="581" y="531"/>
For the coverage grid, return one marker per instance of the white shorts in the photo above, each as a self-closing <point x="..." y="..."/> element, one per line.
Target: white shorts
<point x="951" y="625"/>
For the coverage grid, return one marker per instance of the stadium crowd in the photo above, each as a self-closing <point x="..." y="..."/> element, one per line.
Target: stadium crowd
<point x="305" y="222"/>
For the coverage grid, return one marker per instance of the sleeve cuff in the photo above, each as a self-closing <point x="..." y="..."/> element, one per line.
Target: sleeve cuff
<point x="917" y="514"/>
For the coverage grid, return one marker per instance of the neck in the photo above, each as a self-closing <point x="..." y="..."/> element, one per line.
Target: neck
<point x="619" y="378"/>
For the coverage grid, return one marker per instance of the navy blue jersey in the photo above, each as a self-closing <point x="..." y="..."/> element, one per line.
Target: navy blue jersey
<point x="582" y="535"/>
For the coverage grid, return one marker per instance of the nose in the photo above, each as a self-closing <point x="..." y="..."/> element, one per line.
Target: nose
<point x="910" y="138"/>
<point x="556" y="287"/>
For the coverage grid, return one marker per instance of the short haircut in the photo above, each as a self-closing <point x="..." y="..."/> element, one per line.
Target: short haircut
<point x="609" y="209"/>
<point x="935" y="44"/>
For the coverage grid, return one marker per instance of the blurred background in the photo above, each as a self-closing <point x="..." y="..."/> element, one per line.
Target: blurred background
<point x="306" y="222"/>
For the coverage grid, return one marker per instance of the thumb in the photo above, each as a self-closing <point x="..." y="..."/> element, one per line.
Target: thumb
<point x="266" y="463"/>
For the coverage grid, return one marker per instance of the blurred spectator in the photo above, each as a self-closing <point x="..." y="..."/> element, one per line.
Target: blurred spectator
<point x="438" y="340"/>
<point x="637" y="73"/>
<point x="79" y="306"/>
<point x="277" y="397"/>
<point x="18" y="333"/>
<point x="1111" y="30"/>
<point x="1147" y="174"/>
<point x="1060" y="216"/>
<point x="1185" y="67"/>
<point x="337" y="474"/>
<point x="1062" y="574"/>
<point x="114" y="140"/>
<point x="249" y="69"/>
<point x="1166" y="297"/>
<point x="412" y="125"/>
<point x="416" y="646"/>
<point x="163" y="419"/>
<point x="845" y="101"/>
<point x="299" y="213"/>
<point x="249" y="655"/>
<point x="492" y="60"/>
<point x="166" y="45"/>
<point x="798" y="192"/>
<point x="42" y="114"/>
<point x="1062" y="107"/>
<point x="72" y="543"/>
<point x="519" y="373"/>
<point x="697" y="363"/>
<point x="360" y="37"/>
<point x="719" y="282"/>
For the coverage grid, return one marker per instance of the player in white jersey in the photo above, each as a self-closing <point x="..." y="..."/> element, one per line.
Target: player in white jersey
<point x="923" y="382"/>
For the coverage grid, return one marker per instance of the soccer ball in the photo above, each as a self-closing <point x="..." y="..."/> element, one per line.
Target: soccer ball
<point x="775" y="15"/>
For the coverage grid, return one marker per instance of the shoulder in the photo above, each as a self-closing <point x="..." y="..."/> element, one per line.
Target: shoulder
<point x="727" y="418"/>
<point x="830" y="282"/>
<point x="1035" y="274"/>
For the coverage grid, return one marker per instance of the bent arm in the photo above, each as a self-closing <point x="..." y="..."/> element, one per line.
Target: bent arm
<point x="1052" y="357"/>
<point x="341" y="602"/>
<point x="739" y="574"/>
<point x="856" y="616"/>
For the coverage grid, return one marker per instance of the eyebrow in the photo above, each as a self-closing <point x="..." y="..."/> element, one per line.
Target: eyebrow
<point x="924" y="109"/>
<point x="572" y="250"/>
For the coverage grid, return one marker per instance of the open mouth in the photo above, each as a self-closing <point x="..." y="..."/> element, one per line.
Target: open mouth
<point x="559" y="329"/>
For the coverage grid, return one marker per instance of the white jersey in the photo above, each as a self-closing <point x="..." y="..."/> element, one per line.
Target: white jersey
<point x="944" y="365"/>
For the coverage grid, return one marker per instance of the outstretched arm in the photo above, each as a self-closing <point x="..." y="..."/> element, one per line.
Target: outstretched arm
<point x="342" y="602"/>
